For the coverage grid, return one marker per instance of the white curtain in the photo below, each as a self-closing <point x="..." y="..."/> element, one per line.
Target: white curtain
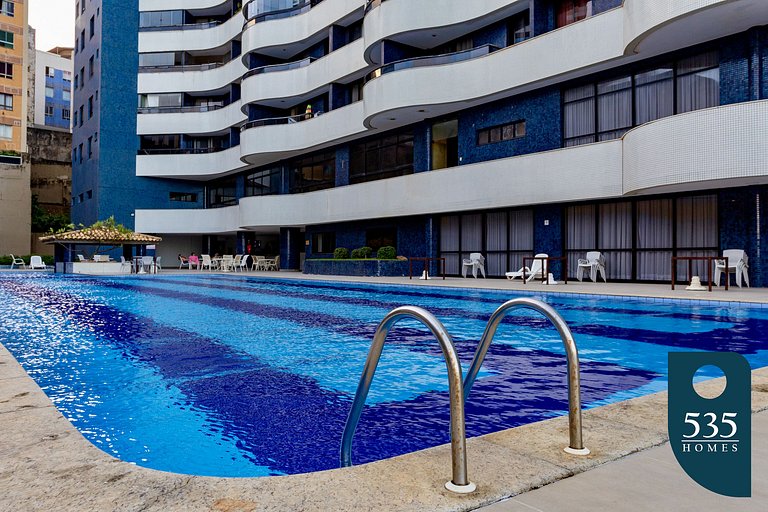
<point x="654" y="231"/>
<point x="654" y="94"/>
<point x="698" y="82"/>
<point x="696" y="227"/>
<point x="496" y="232"/>
<point x="579" y="115"/>
<point x="449" y="233"/>
<point x="614" y="107"/>
<point x="520" y="237"/>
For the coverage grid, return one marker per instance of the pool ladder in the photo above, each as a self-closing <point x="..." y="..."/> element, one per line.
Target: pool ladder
<point x="459" y="391"/>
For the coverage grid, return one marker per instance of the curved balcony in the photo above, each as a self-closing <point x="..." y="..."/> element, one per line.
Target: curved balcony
<point x="191" y="120"/>
<point x="257" y="11"/>
<point x="712" y="148"/>
<point x="189" y="165"/>
<point x="433" y="60"/>
<point x="292" y="82"/>
<point x="188" y="222"/>
<point x="179" y="5"/>
<point x="425" y="25"/>
<point x="269" y="140"/>
<point x="190" y="80"/>
<point x="294" y="34"/>
<point x="184" y="39"/>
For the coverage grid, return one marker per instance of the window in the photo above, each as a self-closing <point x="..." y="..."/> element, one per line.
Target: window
<point x="7" y="8"/>
<point x="316" y="172"/>
<point x="6" y="39"/>
<point x="90" y="107"/>
<point x="323" y="243"/>
<point x="170" y="100"/>
<point x="90" y="66"/>
<point x="49" y="111"/>
<point x="77" y="10"/>
<point x="66" y="76"/>
<point x="377" y="238"/>
<point x="89" y="194"/>
<point x="74" y="122"/>
<point x="92" y="27"/>
<point x="161" y="19"/>
<point x="6" y="70"/>
<point x="6" y="101"/>
<point x="519" y="28"/>
<point x="82" y="77"/>
<point x="90" y="147"/>
<point x="6" y="132"/>
<point x="66" y="95"/>
<point x="82" y="7"/>
<point x="263" y="183"/>
<point x="80" y="153"/>
<point x="49" y="92"/>
<point x="501" y="133"/>
<point x="76" y="81"/>
<point x="159" y="59"/>
<point x="183" y="197"/>
<point x="222" y="193"/>
<point x="606" y="110"/>
<point x="65" y="114"/>
<point x="82" y="117"/>
<point x="384" y="157"/>
<point x="570" y="11"/>
<point x="95" y="136"/>
<point x="50" y="72"/>
<point x="82" y="40"/>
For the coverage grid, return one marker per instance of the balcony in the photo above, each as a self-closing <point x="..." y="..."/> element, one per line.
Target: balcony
<point x="433" y="60"/>
<point x="196" y="78"/>
<point x="199" y="119"/>
<point x="257" y="11"/>
<point x="203" y="164"/>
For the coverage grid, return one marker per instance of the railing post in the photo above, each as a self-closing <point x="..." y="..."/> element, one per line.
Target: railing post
<point x="576" y="444"/>
<point x="460" y="482"/>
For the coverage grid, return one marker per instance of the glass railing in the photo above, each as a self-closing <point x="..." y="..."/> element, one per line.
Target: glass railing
<point x="183" y="151"/>
<point x="180" y="67"/>
<point x="433" y="60"/>
<point x="274" y="68"/>
<point x="173" y="110"/>
<point x="186" y="26"/>
<point x="257" y="11"/>
<point x="274" y="121"/>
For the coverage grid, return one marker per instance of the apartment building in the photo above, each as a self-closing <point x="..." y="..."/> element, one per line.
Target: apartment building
<point x="53" y="87"/>
<point x="442" y="127"/>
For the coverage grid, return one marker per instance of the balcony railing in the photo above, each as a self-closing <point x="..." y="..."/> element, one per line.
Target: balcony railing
<point x="273" y="68"/>
<point x="180" y="67"/>
<point x="182" y="151"/>
<point x="273" y="121"/>
<point x="174" y="110"/>
<point x="433" y="60"/>
<point x="186" y="26"/>
<point x="257" y="11"/>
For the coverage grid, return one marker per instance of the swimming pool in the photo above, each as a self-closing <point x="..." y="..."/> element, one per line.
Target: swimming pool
<point x="232" y="376"/>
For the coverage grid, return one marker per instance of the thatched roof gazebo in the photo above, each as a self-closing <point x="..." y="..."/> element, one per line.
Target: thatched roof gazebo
<point x="105" y="235"/>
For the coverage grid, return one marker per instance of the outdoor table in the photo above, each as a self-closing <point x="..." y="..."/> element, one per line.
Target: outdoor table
<point x="710" y="263"/>
<point x="545" y="267"/>
<point x="426" y="265"/>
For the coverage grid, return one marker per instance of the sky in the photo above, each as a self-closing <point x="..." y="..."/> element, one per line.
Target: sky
<point x="54" y="22"/>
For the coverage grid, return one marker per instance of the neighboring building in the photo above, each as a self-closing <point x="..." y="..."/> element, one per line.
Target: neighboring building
<point x="15" y="201"/>
<point x="442" y="127"/>
<point x="53" y="88"/>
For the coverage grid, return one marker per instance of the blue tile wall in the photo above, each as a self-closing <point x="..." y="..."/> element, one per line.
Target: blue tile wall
<point x="342" y="166"/>
<point x="549" y="239"/>
<point x="738" y="227"/>
<point x="764" y="64"/>
<point x="734" y="70"/>
<point x="542" y="17"/>
<point x="392" y="52"/>
<point x="540" y="110"/>
<point x="599" y="6"/>
<point x="291" y="246"/>
<point x="422" y="140"/>
<point x="495" y="34"/>
<point x="411" y="235"/>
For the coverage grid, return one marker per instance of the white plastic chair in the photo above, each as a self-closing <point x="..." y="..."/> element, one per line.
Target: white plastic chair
<point x="476" y="262"/>
<point x="226" y="262"/>
<point x="244" y="263"/>
<point x="737" y="263"/>
<point x="205" y="262"/>
<point x="595" y="262"/>
<point x="36" y="263"/>
<point x="81" y="258"/>
<point x="158" y="265"/>
<point x="236" y="262"/>
<point x="17" y="261"/>
<point x="147" y="263"/>
<point x="124" y="264"/>
<point x="537" y="270"/>
<point x="257" y="262"/>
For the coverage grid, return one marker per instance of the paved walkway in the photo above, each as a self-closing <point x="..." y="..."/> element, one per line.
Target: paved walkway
<point x="649" y="481"/>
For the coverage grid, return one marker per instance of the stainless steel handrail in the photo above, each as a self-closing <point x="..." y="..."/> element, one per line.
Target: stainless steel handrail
<point x="576" y="446"/>
<point x="460" y="482"/>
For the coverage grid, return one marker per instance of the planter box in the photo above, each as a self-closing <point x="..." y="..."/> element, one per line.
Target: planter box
<point x="363" y="268"/>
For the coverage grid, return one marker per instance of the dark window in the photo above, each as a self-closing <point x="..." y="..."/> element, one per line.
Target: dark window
<point x="65" y="114"/>
<point x="6" y="70"/>
<point x="222" y="193"/>
<point x="90" y="66"/>
<point x="7" y="8"/>
<point x="82" y="40"/>
<point x="519" y="28"/>
<point x="80" y="153"/>
<point x="606" y="110"/>
<point x="6" y="39"/>
<point x="160" y="143"/>
<point x="161" y="19"/>
<point x="90" y="107"/>
<point x="381" y="158"/>
<point x="92" y="26"/>
<point x="90" y="147"/>
<point x="49" y="111"/>
<point x="89" y="194"/>
<point x="377" y="238"/>
<point x="6" y="101"/>
<point x="570" y="11"/>
<point x="82" y="117"/>
<point x="501" y="133"/>
<point x="263" y="183"/>
<point x="183" y="197"/>
<point x="313" y="173"/>
<point x="323" y="243"/>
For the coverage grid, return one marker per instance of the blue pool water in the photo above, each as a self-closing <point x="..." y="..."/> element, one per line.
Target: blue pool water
<point x="226" y="376"/>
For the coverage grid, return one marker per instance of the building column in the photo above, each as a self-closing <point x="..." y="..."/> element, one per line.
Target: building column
<point x="548" y="234"/>
<point x="291" y="245"/>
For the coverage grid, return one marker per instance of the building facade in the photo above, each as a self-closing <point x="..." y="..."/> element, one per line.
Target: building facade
<point x="15" y="201"/>
<point x="53" y="88"/>
<point x="442" y="127"/>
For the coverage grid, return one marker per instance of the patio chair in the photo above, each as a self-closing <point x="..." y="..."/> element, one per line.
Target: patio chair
<point x="536" y="271"/>
<point x="270" y="264"/>
<point x="226" y="262"/>
<point x="81" y="258"/>
<point x="236" y="262"/>
<point x="595" y="262"/>
<point x="737" y="263"/>
<point x="476" y="262"/>
<point x="206" y="262"/>
<point x="17" y="261"/>
<point x="124" y="264"/>
<point x="257" y="262"/>
<point x="244" y="263"/>
<point x="147" y="263"/>
<point x="36" y="263"/>
<point x="158" y="265"/>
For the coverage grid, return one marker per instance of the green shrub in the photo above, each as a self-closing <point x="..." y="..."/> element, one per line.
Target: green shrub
<point x="357" y="254"/>
<point x="341" y="253"/>
<point x="386" y="253"/>
<point x="366" y="251"/>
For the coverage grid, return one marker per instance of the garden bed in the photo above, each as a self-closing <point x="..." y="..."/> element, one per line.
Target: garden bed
<point x="363" y="268"/>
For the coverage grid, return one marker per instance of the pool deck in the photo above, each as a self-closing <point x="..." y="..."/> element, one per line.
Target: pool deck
<point x="46" y="464"/>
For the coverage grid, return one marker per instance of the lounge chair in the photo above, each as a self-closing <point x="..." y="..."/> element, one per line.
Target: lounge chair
<point x="737" y="263"/>
<point x="595" y="262"/>
<point x="36" y="263"/>
<point x="476" y="262"/>
<point x="536" y="271"/>
<point x="17" y="261"/>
